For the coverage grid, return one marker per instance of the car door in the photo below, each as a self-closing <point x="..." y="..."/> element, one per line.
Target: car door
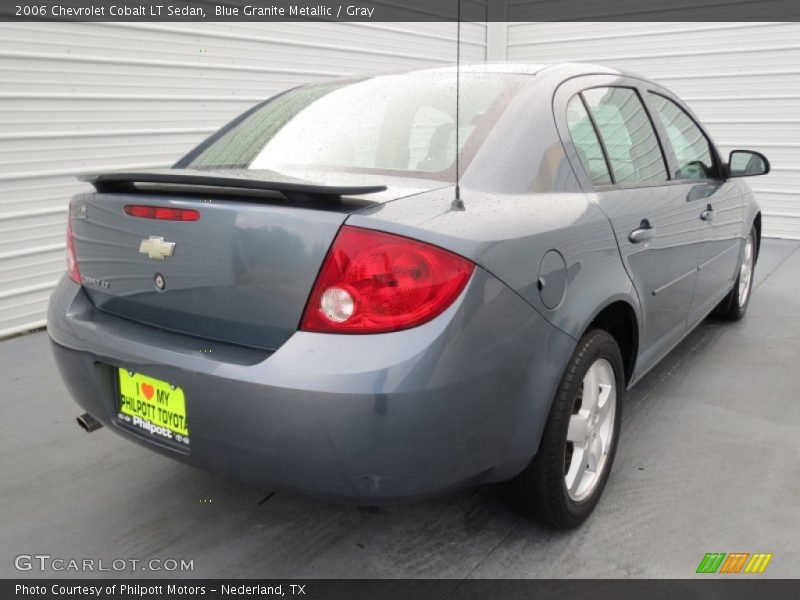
<point x="613" y="140"/>
<point x="717" y="202"/>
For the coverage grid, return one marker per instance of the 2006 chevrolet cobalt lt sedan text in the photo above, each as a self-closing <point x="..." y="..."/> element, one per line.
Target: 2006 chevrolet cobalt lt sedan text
<point x="304" y="303"/>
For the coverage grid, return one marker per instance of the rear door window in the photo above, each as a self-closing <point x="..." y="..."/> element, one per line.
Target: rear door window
<point x="692" y="148"/>
<point x="584" y="137"/>
<point x="627" y="134"/>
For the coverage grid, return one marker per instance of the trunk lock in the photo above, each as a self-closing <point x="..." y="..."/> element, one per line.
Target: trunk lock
<point x="160" y="282"/>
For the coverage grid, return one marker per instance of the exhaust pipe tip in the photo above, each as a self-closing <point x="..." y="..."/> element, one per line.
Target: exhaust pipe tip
<point x="88" y="423"/>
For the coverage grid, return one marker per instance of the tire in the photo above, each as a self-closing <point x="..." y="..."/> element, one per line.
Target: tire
<point x="734" y="306"/>
<point x="541" y="490"/>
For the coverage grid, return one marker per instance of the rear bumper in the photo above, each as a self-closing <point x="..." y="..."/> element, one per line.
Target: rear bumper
<point x="367" y="419"/>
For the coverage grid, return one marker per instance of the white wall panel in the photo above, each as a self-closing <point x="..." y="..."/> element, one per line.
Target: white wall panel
<point x="742" y="80"/>
<point x="82" y="97"/>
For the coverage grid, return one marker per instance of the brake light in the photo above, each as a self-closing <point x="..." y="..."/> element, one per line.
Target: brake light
<point x="72" y="260"/>
<point x="375" y="282"/>
<point x="162" y="213"/>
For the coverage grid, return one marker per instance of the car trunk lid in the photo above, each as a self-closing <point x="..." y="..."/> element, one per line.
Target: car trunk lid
<point x="241" y="273"/>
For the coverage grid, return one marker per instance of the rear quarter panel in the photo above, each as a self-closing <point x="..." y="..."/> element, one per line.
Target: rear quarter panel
<point x="522" y="199"/>
<point x="509" y="235"/>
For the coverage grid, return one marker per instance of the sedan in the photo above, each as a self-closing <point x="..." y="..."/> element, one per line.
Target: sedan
<point x="381" y="288"/>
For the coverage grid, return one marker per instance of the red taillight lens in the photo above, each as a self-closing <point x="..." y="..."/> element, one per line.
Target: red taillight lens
<point x="163" y="213"/>
<point x="374" y="282"/>
<point x="72" y="260"/>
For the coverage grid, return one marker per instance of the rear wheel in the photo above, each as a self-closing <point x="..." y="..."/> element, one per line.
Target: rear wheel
<point x="563" y="483"/>
<point x="734" y="305"/>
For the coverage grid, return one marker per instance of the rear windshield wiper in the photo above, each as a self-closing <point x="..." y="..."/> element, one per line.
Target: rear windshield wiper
<point x="293" y="189"/>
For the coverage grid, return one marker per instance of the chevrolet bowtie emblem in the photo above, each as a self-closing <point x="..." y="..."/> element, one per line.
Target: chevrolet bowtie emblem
<point x="156" y="248"/>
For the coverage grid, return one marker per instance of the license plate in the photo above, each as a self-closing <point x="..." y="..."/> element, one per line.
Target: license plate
<point x="154" y="406"/>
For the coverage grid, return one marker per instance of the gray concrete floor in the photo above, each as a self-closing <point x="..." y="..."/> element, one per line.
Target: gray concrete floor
<point x="709" y="460"/>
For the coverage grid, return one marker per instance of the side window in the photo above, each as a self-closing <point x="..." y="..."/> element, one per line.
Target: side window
<point x="586" y="143"/>
<point x="691" y="146"/>
<point x="627" y="134"/>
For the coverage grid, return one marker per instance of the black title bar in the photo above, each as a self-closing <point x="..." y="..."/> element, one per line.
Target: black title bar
<point x="400" y="10"/>
<point x="730" y="588"/>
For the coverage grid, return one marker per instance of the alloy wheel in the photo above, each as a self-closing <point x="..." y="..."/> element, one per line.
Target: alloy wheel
<point x="590" y="431"/>
<point x="746" y="272"/>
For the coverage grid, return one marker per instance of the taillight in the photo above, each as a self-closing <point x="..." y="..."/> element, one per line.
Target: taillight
<point x="72" y="259"/>
<point x="163" y="213"/>
<point x="374" y="282"/>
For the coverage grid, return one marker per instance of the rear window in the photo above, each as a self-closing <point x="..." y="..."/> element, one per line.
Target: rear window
<point x="396" y="124"/>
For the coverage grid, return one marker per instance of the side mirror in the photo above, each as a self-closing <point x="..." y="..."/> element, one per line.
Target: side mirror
<point x="746" y="163"/>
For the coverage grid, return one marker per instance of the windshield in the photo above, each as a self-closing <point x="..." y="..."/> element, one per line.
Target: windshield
<point x="393" y="125"/>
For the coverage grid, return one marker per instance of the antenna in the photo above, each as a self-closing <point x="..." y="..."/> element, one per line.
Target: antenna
<point x="457" y="203"/>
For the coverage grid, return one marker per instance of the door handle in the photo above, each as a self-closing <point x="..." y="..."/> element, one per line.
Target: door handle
<point x="643" y="233"/>
<point x="708" y="214"/>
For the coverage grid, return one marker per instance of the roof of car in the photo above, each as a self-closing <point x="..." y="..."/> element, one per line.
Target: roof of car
<point x="521" y="68"/>
<point x="564" y="70"/>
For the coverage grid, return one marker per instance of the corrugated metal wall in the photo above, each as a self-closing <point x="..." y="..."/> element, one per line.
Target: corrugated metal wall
<point x="742" y="80"/>
<point x="82" y="97"/>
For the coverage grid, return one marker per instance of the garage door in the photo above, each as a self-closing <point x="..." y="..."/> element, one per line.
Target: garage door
<point x="81" y="97"/>
<point x="742" y="80"/>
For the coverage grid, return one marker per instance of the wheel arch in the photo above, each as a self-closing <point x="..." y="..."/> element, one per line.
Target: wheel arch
<point x="757" y="225"/>
<point x="619" y="318"/>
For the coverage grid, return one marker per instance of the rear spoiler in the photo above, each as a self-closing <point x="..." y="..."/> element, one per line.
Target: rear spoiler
<point x="294" y="189"/>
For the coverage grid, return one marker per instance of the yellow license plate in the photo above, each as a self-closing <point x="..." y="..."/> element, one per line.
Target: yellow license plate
<point x="152" y="405"/>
